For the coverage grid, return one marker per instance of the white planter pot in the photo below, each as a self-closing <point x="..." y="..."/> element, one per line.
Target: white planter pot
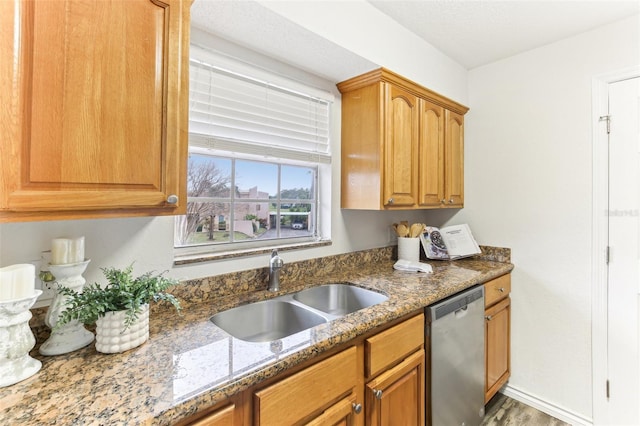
<point x="111" y="336"/>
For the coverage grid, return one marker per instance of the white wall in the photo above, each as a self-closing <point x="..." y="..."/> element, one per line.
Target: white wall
<point x="528" y="186"/>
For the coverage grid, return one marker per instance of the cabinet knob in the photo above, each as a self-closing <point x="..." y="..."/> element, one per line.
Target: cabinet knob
<point x="172" y="199"/>
<point x="450" y="200"/>
<point x="443" y="201"/>
<point x="390" y="201"/>
<point x="377" y="393"/>
<point x="488" y="317"/>
<point x="357" y="408"/>
<point x="501" y="289"/>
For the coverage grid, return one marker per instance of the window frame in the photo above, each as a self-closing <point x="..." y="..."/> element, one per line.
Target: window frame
<point x="216" y="146"/>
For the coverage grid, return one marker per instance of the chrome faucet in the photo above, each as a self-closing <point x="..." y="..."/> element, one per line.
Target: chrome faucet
<point x="275" y="264"/>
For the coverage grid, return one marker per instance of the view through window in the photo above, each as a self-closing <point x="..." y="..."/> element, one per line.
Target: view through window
<point x="234" y="200"/>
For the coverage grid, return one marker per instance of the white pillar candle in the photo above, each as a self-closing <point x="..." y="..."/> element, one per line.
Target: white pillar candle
<point x="77" y="250"/>
<point x="6" y="284"/>
<point x="60" y="251"/>
<point x="24" y="280"/>
<point x="17" y="281"/>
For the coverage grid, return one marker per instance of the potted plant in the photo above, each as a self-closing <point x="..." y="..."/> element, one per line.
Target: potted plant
<point x="120" y="309"/>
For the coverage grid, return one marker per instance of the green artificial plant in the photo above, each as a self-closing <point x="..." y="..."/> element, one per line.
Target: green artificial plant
<point x="122" y="292"/>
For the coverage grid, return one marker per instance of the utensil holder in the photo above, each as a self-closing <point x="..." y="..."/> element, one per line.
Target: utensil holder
<point x="409" y="249"/>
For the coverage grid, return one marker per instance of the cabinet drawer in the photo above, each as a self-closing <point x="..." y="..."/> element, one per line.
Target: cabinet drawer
<point x="222" y="417"/>
<point x="394" y="344"/>
<point x="496" y="290"/>
<point x="310" y="391"/>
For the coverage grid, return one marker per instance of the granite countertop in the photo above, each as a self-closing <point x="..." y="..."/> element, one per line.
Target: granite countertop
<point x="189" y="364"/>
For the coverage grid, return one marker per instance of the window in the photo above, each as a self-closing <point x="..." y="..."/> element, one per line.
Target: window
<point x="258" y="146"/>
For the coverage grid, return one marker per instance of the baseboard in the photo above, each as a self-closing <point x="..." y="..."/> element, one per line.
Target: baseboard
<point x="546" y="407"/>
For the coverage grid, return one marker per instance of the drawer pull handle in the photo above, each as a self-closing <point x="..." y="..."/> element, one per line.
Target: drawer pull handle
<point x="377" y="394"/>
<point x="501" y="289"/>
<point x="488" y="317"/>
<point x="357" y="408"/>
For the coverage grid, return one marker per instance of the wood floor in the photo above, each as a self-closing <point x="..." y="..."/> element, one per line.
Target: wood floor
<point x="502" y="411"/>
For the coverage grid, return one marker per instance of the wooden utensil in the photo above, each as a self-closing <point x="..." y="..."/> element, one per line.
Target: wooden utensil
<point x="415" y="230"/>
<point x="402" y="230"/>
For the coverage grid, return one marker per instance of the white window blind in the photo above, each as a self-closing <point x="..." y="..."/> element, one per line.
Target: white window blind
<point x="238" y="113"/>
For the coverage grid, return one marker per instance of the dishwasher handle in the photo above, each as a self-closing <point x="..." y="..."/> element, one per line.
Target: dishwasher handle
<point x="462" y="312"/>
<point x="455" y="303"/>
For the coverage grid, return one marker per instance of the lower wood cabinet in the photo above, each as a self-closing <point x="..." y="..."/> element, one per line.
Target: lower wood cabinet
<point x="379" y="380"/>
<point x="395" y="372"/>
<point x="497" y="334"/>
<point x="396" y="397"/>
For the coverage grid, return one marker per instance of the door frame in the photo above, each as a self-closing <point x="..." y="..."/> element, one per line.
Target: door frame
<point x="600" y="195"/>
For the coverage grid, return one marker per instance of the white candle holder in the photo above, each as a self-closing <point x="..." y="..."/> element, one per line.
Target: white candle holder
<point x="72" y="335"/>
<point x="16" y="340"/>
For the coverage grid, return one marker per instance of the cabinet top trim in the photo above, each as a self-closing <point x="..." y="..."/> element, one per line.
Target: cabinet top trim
<point x="385" y="75"/>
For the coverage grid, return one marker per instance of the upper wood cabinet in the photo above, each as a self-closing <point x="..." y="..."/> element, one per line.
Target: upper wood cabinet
<point x="402" y="145"/>
<point x="94" y="99"/>
<point x="454" y="160"/>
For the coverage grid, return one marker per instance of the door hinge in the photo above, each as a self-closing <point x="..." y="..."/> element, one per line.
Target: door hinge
<point x="607" y="118"/>
<point x="607" y="389"/>
<point x="607" y="255"/>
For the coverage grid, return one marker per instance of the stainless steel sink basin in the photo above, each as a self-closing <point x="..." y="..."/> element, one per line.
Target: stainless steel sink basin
<point x="266" y="321"/>
<point x="339" y="299"/>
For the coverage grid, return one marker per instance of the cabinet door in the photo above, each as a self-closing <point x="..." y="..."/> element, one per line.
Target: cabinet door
<point x="342" y="413"/>
<point x="400" y="148"/>
<point x="95" y="117"/>
<point x="454" y="159"/>
<point x="431" y="159"/>
<point x="497" y="352"/>
<point x="396" y="397"/>
<point x="223" y="417"/>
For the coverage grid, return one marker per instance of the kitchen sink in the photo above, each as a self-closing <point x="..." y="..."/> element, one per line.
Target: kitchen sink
<point x="266" y="321"/>
<point x="339" y="299"/>
<point x="283" y="316"/>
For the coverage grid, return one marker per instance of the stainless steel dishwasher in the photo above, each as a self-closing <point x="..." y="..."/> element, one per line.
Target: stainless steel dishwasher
<point x="455" y="329"/>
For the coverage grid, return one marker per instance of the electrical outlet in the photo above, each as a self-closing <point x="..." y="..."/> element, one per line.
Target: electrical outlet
<point x="46" y="287"/>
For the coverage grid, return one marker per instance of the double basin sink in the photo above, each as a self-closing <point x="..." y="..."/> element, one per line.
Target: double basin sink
<point x="283" y="316"/>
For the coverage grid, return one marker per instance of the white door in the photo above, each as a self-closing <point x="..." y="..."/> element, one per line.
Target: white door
<point x="623" y="287"/>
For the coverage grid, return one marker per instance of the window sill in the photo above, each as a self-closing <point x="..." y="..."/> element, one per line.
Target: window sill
<point x="210" y="257"/>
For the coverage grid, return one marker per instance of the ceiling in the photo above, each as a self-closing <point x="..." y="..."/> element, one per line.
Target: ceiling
<point x="478" y="32"/>
<point x="472" y="32"/>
